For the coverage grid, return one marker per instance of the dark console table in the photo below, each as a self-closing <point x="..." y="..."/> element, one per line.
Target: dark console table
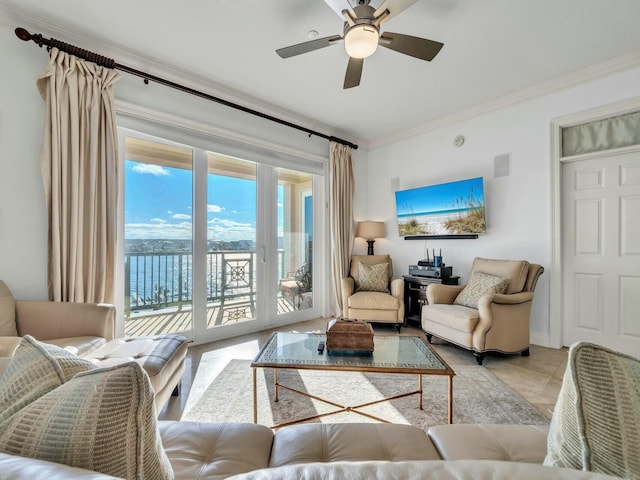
<point x="415" y="294"/>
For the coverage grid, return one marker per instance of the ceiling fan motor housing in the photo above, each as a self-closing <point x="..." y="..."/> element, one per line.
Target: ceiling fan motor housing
<point x="361" y="37"/>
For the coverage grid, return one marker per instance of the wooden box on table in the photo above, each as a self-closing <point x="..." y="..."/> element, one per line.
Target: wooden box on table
<point x="349" y="336"/>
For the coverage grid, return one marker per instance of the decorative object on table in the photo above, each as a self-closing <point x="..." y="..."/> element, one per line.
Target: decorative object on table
<point x="370" y="231"/>
<point x="349" y="336"/>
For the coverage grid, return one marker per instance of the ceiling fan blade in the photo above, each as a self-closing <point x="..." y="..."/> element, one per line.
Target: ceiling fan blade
<point x="354" y="72"/>
<point x="413" y="46"/>
<point x="310" y="46"/>
<point x="393" y="6"/>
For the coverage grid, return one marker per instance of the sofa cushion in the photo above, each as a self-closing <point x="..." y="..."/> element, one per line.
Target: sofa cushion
<point x="102" y="419"/>
<point x="334" y="442"/>
<point x="215" y="450"/>
<point x="596" y="420"/>
<point x="419" y="470"/>
<point x="35" y="369"/>
<point x="374" y="278"/>
<point x="373" y="301"/>
<point x="509" y="443"/>
<point x="7" y="312"/>
<point x="479" y="284"/>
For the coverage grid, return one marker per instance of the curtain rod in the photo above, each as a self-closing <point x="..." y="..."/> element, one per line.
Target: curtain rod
<point x="24" y="35"/>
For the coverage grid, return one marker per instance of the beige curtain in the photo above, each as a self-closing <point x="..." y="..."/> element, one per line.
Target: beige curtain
<point x="341" y="188"/>
<point x="79" y="161"/>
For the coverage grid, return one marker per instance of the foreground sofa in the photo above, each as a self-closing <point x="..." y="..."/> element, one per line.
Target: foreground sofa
<point x="88" y="330"/>
<point x="57" y="406"/>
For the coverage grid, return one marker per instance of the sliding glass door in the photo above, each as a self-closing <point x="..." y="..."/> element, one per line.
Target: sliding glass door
<point x="158" y="247"/>
<point x="215" y="246"/>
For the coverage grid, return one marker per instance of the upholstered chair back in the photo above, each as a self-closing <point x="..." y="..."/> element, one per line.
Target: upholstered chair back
<point x="516" y="270"/>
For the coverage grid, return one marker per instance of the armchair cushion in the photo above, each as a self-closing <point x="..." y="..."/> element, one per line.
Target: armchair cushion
<point x="373" y="301"/>
<point x="457" y="317"/>
<point x="7" y="312"/>
<point x="374" y="278"/>
<point x="596" y="421"/>
<point x="479" y="284"/>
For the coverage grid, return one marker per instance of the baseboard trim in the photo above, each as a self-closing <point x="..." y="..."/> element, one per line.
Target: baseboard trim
<point x="540" y="340"/>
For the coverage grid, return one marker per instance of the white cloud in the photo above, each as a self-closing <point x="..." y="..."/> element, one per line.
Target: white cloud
<point x="158" y="230"/>
<point x="214" y="208"/>
<point x="182" y="216"/>
<point x="158" y="220"/>
<point x="148" y="169"/>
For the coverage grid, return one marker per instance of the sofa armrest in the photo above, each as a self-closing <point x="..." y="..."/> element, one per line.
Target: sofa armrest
<point x="438" y="293"/>
<point x="49" y="320"/>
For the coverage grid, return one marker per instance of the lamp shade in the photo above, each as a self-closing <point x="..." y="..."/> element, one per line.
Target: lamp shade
<point x="370" y="230"/>
<point x="361" y="41"/>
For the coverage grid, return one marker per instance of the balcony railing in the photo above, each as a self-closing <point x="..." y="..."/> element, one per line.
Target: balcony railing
<point x="155" y="280"/>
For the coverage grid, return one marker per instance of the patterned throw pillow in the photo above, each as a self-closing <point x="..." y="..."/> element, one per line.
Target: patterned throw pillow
<point x="596" y="420"/>
<point x="34" y="370"/>
<point x="373" y="278"/>
<point x="480" y="283"/>
<point x="58" y="407"/>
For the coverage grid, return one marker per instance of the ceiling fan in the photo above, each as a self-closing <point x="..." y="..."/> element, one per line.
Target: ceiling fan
<point x="362" y="36"/>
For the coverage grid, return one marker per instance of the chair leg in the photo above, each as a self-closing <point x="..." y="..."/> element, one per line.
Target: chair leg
<point x="429" y="337"/>
<point x="525" y="353"/>
<point x="398" y="327"/>
<point x="479" y="357"/>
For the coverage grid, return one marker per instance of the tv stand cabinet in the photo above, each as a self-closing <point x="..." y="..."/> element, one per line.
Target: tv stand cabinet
<point x="415" y="295"/>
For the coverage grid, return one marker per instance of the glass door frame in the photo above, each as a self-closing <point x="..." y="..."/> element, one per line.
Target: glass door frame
<point x="266" y="268"/>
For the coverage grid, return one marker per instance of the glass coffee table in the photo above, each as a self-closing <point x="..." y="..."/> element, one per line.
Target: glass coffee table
<point x="392" y="354"/>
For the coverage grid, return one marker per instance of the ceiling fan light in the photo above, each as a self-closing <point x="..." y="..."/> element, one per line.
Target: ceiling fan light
<point x="361" y="41"/>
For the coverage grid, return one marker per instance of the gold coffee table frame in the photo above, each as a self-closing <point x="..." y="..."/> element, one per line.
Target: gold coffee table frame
<point x="402" y="354"/>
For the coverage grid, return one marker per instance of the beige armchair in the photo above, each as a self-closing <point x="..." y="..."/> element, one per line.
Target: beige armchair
<point x="502" y="291"/>
<point x="370" y="293"/>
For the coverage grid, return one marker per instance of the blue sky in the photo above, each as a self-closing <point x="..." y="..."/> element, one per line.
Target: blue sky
<point x="436" y="198"/>
<point x="158" y="204"/>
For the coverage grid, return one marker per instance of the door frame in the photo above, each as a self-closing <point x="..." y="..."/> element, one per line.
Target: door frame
<point x="556" y="293"/>
<point x="169" y="128"/>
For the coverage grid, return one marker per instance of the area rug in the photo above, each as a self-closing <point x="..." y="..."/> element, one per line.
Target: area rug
<point x="478" y="397"/>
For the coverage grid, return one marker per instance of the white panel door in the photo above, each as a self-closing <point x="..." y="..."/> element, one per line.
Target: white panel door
<point x="601" y="251"/>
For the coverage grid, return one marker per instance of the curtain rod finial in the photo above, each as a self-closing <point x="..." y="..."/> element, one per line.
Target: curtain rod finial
<point x="23" y="34"/>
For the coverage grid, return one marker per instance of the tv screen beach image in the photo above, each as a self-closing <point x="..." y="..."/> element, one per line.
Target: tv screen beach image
<point x="454" y="208"/>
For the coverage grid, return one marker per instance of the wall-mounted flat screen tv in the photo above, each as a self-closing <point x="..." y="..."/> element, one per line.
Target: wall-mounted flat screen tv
<point x="455" y="208"/>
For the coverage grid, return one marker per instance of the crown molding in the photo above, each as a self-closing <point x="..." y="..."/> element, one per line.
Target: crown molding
<point x="13" y="17"/>
<point x="609" y="67"/>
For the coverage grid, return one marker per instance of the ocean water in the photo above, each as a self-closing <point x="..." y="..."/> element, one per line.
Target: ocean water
<point x="434" y="213"/>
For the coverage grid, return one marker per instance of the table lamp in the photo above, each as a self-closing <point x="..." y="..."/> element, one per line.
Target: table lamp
<point x="370" y="231"/>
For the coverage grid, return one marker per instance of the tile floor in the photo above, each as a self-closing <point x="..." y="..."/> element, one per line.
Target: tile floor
<point x="537" y="378"/>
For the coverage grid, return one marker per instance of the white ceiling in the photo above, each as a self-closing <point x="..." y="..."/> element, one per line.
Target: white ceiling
<point x="493" y="50"/>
